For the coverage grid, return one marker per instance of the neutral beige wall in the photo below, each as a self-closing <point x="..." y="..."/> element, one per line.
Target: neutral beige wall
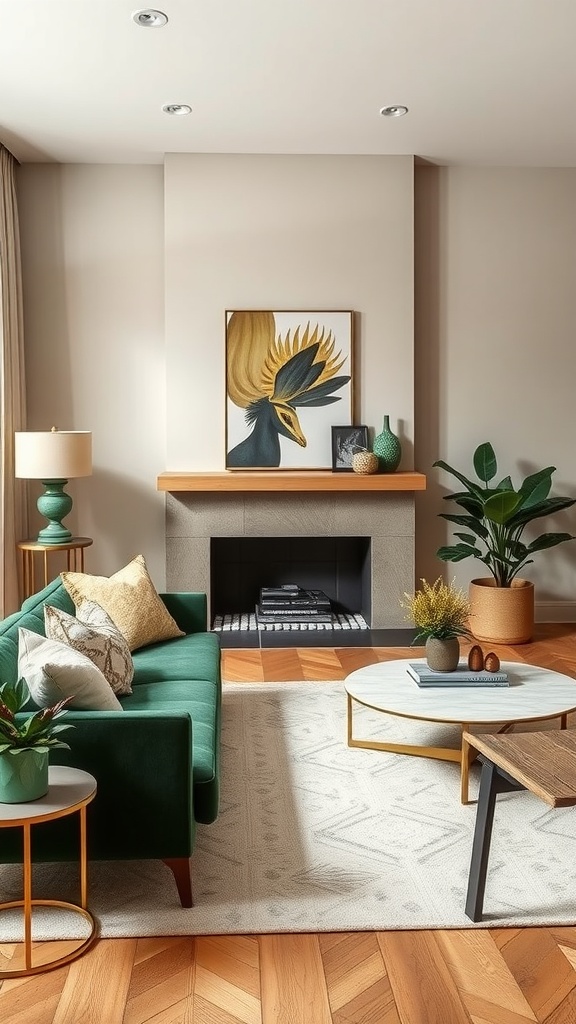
<point x="285" y="232"/>
<point x="495" y="312"/>
<point x="495" y="349"/>
<point x="92" y="242"/>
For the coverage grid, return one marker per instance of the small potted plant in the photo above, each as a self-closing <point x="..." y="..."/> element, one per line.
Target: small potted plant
<point x="25" y="744"/>
<point x="492" y="522"/>
<point x="440" y="613"/>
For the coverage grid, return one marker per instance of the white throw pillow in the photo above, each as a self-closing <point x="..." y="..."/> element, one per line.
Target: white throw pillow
<point x="53" y="671"/>
<point x="94" y="634"/>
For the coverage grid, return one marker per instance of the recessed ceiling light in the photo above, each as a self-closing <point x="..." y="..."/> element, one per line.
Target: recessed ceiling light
<point x="176" y="108"/>
<point x="394" y="111"/>
<point x="150" y="18"/>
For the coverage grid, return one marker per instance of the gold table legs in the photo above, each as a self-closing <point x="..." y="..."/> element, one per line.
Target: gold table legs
<point x="28" y="903"/>
<point x="463" y="755"/>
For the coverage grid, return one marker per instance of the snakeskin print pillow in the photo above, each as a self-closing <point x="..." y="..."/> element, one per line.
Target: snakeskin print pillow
<point x="94" y="634"/>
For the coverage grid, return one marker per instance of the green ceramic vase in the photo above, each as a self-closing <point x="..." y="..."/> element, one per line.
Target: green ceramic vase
<point x="388" y="449"/>
<point x="23" y="776"/>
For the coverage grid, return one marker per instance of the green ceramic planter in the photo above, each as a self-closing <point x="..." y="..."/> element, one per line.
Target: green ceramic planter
<point x="23" y="776"/>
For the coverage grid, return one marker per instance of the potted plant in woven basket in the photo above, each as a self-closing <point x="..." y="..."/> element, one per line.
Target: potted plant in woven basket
<point x="491" y="525"/>
<point x="440" y="613"/>
<point x="25" y="744"/>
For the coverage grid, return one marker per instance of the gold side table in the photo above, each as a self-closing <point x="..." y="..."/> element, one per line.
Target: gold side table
<point x="29" y="548"/>
<point x="69" y="790"/>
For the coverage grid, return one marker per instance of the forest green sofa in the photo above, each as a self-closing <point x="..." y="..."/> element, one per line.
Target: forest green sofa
<point x="156" y="762"/>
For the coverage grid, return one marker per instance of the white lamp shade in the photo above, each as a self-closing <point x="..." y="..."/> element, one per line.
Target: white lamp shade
<point x="53" y="454"/>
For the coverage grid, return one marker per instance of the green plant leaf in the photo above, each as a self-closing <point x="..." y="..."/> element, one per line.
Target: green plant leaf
<point x="469" y="522"/>
<point x="537" y="486"/>
<point x="548" y="540"/>
<point x="469" y="484"/>
<point x="544" y="508"/>
<point x="457" y="552"/>
<point x="501" y="506"/>
<point x="474" y="506"/>
<point x="485" y="464"/>
<point x="505" y="484"/>
<point x="468" y="538"/>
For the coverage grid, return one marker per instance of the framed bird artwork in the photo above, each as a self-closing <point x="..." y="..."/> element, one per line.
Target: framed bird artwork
<point x="289" y="379"/>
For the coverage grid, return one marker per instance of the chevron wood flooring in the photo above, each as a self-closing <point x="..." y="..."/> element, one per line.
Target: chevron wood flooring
<point x="487" y="976"/>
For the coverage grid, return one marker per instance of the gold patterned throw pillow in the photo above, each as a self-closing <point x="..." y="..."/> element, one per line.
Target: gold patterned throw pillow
<point x="94" y="634"/>
<point x="131" y="600"/>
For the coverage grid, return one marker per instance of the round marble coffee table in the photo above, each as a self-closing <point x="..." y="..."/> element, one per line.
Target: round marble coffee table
<point x="534" y="694"/>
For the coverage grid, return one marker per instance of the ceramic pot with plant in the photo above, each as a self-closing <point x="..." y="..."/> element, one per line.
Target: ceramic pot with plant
<point x="440" y="613"/>
<point x="492" y="522"/>
<point x="25" y="744"/>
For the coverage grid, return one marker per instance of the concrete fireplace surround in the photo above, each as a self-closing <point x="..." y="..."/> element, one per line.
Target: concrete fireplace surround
<point x="386" y="516"/>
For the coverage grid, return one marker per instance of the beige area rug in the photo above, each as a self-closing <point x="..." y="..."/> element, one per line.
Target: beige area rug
<point x="315" y="836"/>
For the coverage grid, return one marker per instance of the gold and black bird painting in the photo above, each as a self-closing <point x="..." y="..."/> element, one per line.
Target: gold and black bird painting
<point x="279" y="369"/>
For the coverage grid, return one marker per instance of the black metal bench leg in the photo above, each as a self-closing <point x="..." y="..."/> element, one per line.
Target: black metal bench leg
<point x="481" y="846"/>
<point x="493" y="781"/>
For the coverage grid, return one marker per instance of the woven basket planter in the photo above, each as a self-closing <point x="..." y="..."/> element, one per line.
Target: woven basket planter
<point x="502" y="615"/>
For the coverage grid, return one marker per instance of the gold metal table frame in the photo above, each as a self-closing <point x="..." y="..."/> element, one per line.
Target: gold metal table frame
<point x="30" y="548"/>
<point x="464" y="754"/>
<point x="28" y="903"/>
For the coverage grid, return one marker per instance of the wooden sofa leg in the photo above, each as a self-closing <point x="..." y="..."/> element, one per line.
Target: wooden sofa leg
<point x="180" y="868"/>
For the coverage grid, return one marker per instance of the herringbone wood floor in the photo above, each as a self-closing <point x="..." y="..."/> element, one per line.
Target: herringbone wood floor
<point x="497" y="976"/>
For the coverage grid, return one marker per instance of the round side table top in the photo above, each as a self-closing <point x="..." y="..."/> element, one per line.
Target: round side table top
<point x="533" y="693"/>
<point x="34" y="545"/>
<point x="68" y="789"/>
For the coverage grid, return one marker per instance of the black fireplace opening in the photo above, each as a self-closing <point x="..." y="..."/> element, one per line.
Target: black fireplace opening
<point x="240" y="566"/>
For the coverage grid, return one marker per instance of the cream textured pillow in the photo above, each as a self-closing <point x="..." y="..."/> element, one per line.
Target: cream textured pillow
<point x="53" y="671"/>
<point x="94" y="634"/>
<point x="131" y="600"/>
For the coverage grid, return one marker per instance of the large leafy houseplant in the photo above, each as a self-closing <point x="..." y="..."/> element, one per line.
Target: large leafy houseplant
<point x="495" y="515"/>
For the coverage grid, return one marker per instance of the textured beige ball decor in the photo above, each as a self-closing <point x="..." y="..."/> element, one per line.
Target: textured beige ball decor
<point x="365" y="462"/>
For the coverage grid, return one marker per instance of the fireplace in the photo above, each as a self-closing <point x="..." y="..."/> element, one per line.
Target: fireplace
<point x="240" y="566"/>
<point x="373" y="515"/>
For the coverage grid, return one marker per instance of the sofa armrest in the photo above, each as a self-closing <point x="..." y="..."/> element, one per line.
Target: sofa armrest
<point x="142" y="763"/>
<point x="189" y="610"/>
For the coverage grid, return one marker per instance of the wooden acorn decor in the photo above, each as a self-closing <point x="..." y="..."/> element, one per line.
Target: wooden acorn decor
<point x="476" y="658"/>
<point x="477" y="661"/>
<point x="491" y="662"/>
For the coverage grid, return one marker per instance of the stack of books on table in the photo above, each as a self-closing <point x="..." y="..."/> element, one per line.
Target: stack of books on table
<point x="462" y="676"/>
<point x="291" y="603"/>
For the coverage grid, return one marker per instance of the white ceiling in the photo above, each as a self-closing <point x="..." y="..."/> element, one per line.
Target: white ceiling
<point x="486" y="81"/>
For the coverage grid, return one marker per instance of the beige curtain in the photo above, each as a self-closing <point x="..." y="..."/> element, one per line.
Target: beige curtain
<point x="13" y="513"/>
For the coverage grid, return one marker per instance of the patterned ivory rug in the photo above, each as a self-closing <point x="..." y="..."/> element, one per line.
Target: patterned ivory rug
<point x="315" y="836"/>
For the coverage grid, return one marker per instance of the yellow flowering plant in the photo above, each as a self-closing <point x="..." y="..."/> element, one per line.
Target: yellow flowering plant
<point x="438" y="610"/>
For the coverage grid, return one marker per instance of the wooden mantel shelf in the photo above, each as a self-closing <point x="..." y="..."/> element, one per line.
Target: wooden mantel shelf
<point x="289" y="481"/>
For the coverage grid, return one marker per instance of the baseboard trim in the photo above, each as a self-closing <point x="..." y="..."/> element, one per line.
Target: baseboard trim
<point x="555" y="611"/>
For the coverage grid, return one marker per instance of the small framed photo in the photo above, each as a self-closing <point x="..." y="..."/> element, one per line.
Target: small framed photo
<point x="346" y="441"/>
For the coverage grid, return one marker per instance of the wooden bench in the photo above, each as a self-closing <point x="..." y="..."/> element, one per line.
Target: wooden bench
<point x="543" y="762"/>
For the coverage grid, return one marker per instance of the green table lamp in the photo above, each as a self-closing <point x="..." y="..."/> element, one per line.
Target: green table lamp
<point x="54" y="457"/>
